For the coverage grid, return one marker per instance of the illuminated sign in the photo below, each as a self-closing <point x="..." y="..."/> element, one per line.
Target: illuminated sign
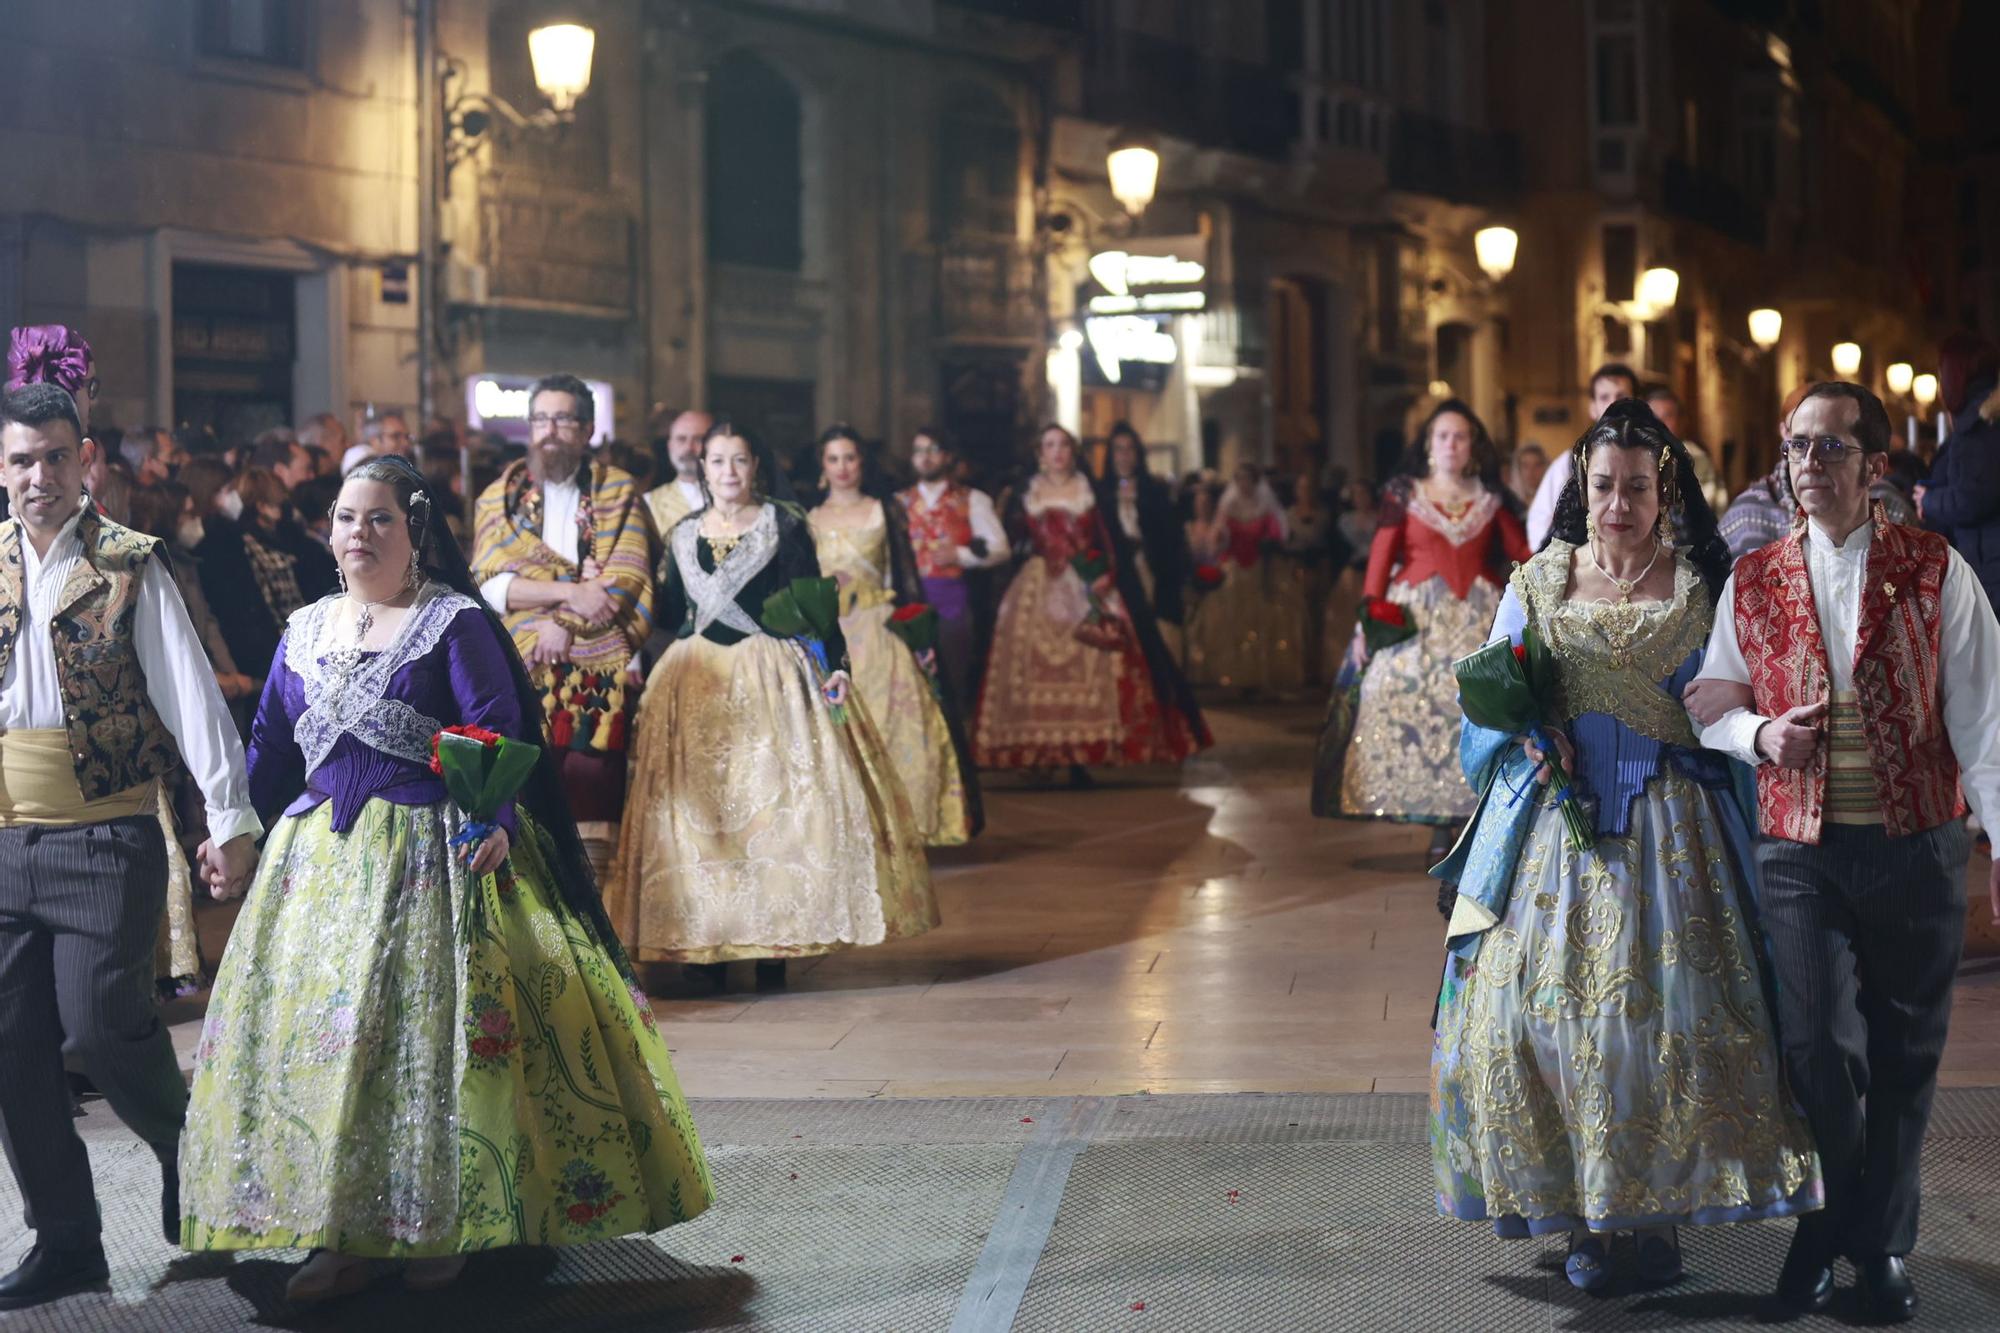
<point x="499" y="403"/>
<point x="1116" y="340"/>
<point x="1155" y="275"/>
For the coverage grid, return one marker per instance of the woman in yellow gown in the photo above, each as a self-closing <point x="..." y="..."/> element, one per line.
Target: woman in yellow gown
<point x="864" y="547"/>
<point x="763" y="819"/>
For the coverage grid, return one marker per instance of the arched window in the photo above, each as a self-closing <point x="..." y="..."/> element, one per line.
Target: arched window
<point x="978" y="166"/>
<point x="755" y="186"/>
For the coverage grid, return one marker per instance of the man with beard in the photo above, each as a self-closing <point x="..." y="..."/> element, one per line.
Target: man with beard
<point x="955" y="530"/>
<point x="560" y="550"/>
<point x="680" y="495"/>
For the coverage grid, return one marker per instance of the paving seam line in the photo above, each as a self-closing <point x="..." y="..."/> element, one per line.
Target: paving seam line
<point x="1014" y="1243"/>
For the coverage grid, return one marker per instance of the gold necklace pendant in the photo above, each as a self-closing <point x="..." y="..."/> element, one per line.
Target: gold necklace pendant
<point x="724" y="547"/>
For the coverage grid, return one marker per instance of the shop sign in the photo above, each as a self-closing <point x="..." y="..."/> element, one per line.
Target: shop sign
<point x="1121" y="342"/>
<point x="499" y="403"/>
<point x="1150" y="275"/>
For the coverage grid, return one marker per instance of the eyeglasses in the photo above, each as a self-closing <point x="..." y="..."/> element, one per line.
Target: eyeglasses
<point x="1831" y="449"/>
<point x="562" y="421"/>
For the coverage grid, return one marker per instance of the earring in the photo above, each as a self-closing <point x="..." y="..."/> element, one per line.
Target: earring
<point x="416" y="568"/>
<point x="1590" y="527"/>
<point x="824" y="484"/>
<point x="341" y="574"/>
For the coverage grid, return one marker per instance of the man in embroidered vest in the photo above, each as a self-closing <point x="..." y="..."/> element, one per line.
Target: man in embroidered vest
<point x="561" y="552"/>
<point x="1869" y="653"/>
<point x="103" y="689"/>
<point x="680" y="495"/>
<point x="954" y="530"/>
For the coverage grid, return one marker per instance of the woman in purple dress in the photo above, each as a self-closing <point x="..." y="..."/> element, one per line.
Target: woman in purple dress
<point x="416" y="1049"/>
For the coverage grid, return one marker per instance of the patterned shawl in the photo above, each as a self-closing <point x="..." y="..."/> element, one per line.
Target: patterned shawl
<point x="507" y="540"/>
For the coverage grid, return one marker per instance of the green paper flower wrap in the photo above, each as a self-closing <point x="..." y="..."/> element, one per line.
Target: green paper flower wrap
<point x="1511" y="688"/>
<point x="808" y="612"/>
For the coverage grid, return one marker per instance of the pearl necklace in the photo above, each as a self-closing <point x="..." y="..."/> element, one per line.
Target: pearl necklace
<point x="1625" y="586"/>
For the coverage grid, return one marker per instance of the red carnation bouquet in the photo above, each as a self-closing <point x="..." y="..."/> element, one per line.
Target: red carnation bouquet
<point x="1101" y="627"/>
<point x="1208" y="577"/>
<point x="916" y="624"/>
<point x="482" y="771"/>
<point x="1384" y="624"/>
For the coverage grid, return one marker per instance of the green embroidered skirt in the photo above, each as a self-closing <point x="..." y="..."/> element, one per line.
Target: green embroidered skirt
<point x="400" y="1061"/>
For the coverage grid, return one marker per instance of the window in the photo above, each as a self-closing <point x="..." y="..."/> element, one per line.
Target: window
<point x="978" y="166"/>
<point x="1621" y="261"/>
<point x="272" y="32"/>
<point x="755" y="180"/>
<point x="1617" y="80"/>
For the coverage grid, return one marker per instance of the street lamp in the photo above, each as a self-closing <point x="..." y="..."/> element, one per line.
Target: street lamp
<point x="1925" y="389"/>
<point x="449" y="128"/>
<point x="1899" y="375"/>
<point x="1134" y="168"/>
<point x="1766" y="325"/>
<point x="1495" y="248"/>
<point x="1846" y="359"/>
<point x="561" y="55"/>
<point x="1659" y="288"/>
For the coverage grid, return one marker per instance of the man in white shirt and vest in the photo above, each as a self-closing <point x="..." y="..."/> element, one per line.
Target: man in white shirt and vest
<point x="954" y="530"/>
<point x="104" y="688"/>
<point x="1853" y="665"/>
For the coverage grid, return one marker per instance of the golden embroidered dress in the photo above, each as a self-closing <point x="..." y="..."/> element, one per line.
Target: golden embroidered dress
<point x="900" y="695"/>
<point x="1604" y="1053"/>
<point x="757" y="826"/>
<point x="1390" y="746"/>
<point x="401" y="1059"/>
<point x="1249" y="632"/>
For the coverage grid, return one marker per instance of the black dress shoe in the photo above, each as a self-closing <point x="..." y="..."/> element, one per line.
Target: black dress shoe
<point x="1887" y="1294"/>
<point x="170" y="1200"/>
<point x="1805" y="1283"/>
<point x="49" y="1272"/>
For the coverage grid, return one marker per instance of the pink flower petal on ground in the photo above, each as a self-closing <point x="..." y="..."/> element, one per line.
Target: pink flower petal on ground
<point x="1138" y="1307"/>
<point x="737" y="1258"/>
<point x="1234" y="1195"/>
<point x="1027" y="1120"/>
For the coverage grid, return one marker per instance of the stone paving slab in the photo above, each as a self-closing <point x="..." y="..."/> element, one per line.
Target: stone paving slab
<point x="1261" y="1212"/>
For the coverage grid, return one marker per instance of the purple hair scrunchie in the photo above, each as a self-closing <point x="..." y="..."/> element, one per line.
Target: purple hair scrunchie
<point x="48" y="354"/>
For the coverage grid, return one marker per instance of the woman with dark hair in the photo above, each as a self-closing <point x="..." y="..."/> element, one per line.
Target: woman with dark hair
<point x="1604" y="1057"/>
<point x="1079" y="675"/>
<point x="863" y="543"/>
<point x="764" y="819"/>
<point x="423" y="1041"/>
<point x="264" y="501"/>
<point x="1144" y="508"/>
<point x="1249" y="633"/>
<point x="1446" y="534"/>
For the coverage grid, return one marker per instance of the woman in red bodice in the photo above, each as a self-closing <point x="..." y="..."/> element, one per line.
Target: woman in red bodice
<point x="1078" y="675"/>
<point x="1447" y="537"/>
<point x="1248" y="633"/>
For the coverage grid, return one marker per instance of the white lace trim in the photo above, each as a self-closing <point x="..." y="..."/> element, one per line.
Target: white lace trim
<point x="714" y="594"/>
<point x="351" y="703"/>
<point x="1460" y="530"/>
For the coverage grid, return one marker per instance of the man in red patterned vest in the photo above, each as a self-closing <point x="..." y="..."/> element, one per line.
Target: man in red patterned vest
<point x="954" y="529"/>
<point x="1870" y="654"/>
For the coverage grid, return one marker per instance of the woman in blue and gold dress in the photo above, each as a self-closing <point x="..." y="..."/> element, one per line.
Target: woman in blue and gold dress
<point x="1604" y="1057"/>
<point x="759" y="825"/>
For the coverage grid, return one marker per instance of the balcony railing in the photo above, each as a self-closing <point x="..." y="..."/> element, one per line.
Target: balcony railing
<point x="1436" y="157"/>
<point x="1704" y="197"/>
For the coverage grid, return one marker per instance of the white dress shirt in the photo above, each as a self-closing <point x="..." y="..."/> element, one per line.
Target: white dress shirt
<point x="1969" y="660"/>
<point x="1542" y="511"/>
<point x="985" y="525"/>
<point x="560" y="501"/>
<point x="179" y="680"/>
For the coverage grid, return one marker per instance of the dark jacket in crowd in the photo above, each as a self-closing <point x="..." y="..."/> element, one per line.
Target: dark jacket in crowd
<point x="249" y="626"/>
<point x="1162" y="538"/>
<point x="317" y="573"/>
<point x="1962" y="500"/>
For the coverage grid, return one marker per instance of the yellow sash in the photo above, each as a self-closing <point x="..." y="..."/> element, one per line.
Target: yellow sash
<point x="38" y="785"/>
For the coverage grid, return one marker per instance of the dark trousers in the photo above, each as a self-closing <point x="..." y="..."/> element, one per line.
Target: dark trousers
<point x="79" y="911"/>
<point x="1865" y="932"/>
<point x="958" y="645"/>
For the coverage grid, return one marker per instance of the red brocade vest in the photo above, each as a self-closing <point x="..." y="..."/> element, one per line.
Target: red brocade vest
<point x="1896" y="659"/>
<point x="946" y="525"/>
